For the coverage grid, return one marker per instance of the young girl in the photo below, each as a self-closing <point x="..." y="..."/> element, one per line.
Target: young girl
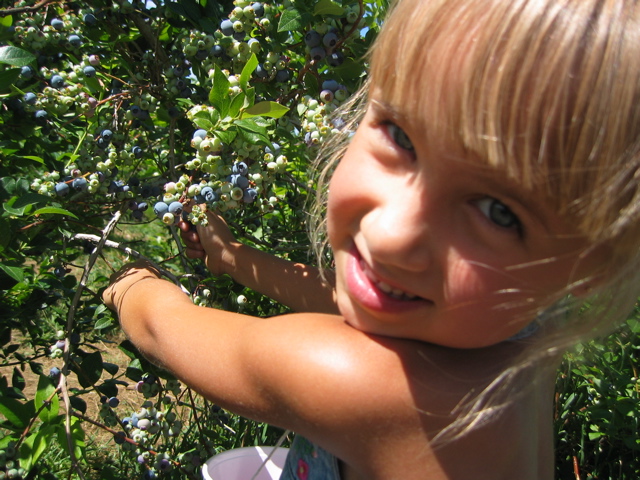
<point x="489" y="192"/>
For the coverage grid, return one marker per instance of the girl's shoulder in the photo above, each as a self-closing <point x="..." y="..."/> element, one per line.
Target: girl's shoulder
<point x="379" y="403"/>
<point x="327" y="372"/>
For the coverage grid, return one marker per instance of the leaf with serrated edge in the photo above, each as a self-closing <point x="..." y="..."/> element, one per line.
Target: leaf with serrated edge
<point x="290" y="20"/>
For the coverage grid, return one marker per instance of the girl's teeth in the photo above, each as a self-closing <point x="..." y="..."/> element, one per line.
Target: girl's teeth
<point x="385" y="287"/>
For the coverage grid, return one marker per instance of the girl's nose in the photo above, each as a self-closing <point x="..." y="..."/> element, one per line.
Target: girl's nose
<point x="397" y="232"/>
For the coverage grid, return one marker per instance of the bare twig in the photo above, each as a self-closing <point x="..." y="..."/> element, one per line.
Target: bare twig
<point x="19" y="10"/>
<point x="67" y="348"/>
<point x="131" y="252"/>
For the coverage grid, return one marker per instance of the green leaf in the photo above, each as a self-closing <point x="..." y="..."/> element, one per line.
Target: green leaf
<point x="634" y="325"/>
<point x="77" y="437"/>
<point x="45" y="391"/>
<point x="78" y="404"/>
<point x="14" y="272"/>
<point x="103" y="322"/>
<point x="327" y="7"/>
<point x="313" y="87"/>
<point x="34" y="158"/>
<point x="55" y="211"/>
<point x="226" y="136"/>
<point x="15" y="412"/>
<point x="17" y="380"/>
<point x="90" y="369"/>
<point x="111" y="368"/>
<point x="595" y="435"/>
<point x="251" y="125"/>
<point x="253" y="138"/>
<point x="8" y="78"/>
<point x="236" y="104"/>
<point x="219" y="94"/>
<point x="15" y="56"/>
<point x="265" y="109"/>
<point x="349" y="70"/>
<point x="7" y="21"/>
<point x="204" y="123"/>
<point x="247" y="70"/>
<point x="207" y="25"/>
<point x="5" y="234"/>
<point x="8" y="184"/>
<point x="290" y="20"/>
<point x="251" y="96"/>
<point x="35" y="445"/>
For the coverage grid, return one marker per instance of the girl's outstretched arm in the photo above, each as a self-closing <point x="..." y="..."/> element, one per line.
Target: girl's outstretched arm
<point x="295" y="285"/>
<point x="276" y="370"/>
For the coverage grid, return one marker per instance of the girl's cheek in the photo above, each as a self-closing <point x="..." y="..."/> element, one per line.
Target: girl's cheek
<point x="468" y="283"/>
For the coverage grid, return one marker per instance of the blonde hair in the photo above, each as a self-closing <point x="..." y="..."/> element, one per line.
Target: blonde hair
<point x="547" y="91"/>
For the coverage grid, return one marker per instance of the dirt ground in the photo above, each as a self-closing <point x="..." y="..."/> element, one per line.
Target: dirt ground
<point x="130" y="400"/>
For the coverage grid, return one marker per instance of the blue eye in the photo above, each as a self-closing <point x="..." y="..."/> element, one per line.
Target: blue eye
<point x="399" y="137"/>
<point x="498" y="213"/>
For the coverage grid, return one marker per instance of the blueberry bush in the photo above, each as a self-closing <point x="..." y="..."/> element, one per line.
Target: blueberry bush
<point x="116" y="114"/>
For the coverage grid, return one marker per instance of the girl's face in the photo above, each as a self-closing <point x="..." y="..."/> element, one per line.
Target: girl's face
<point x="432" y="246"/>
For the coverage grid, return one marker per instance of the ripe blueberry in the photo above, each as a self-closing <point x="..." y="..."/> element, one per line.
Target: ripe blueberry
<point x="330" y="40"/>
<point x="258" y="9"/>
<point x="283" y="76"/>
<point x="208" y="194"/>
<point x="106" y="134"/>
<point x="29" y="98"/>
<point x="160" y="209"/>
<point x="335" y="59"/>
<point x="200" y="133"/>
<point x="74" y="40"/>
<point x="89" y="71"/>
<point x="217" y="51"/>
<point x="226" y="27"/>
<point x="89" y="19"/>
<point x="317" y="53"/>
<point x="250" y="195"/>
<point x="175" y="208"/>
<point x="312" y="38"/>
<point x="56" y="81"/>
<point x="240" y="168"/>
<point x="27" y="72"/>
<point x="330" y="85"/>
<point x="80" y="183"/>
<point x="62" y="189"/>
<point x="261" y="72"/>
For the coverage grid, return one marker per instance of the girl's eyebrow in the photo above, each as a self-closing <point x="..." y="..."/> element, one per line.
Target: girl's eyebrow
<point x="388" y="109"/>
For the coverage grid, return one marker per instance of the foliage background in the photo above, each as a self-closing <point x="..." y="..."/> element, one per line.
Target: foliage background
<point x="158" y="76"/>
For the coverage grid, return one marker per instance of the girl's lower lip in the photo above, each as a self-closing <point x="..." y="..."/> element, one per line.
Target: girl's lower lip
<point x="367" y="293"/>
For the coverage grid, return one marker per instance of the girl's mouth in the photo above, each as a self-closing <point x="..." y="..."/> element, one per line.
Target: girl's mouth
<point x="373" y="293"/>
<point x="385" y="287"/>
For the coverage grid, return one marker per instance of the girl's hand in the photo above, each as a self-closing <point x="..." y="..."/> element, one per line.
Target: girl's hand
<point x="123" y="279"/>
<point x="212" y="243"/>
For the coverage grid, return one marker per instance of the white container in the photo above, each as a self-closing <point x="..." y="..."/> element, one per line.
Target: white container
<point x="244" y="463"/>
